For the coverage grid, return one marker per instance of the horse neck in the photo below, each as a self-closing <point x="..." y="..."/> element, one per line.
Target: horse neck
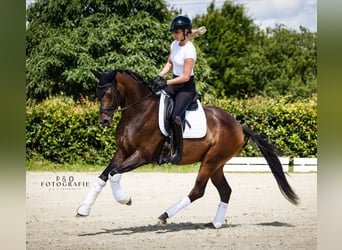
<point x="131" y="90"/>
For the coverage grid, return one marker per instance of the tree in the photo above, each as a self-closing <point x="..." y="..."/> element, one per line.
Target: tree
<point x="294" y="54"/>
<point x="67" y="38"/>
<point x="247" y="61"/>
<point x="230" y="32"/>
<point x="282" y="62"/>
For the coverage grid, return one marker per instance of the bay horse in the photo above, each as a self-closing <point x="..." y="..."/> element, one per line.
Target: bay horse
<point x="139" y="142"/>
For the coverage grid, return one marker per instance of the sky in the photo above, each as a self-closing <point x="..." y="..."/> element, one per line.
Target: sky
<point x="265" y="13"/>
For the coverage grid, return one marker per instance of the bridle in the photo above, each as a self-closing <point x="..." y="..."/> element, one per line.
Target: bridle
<point x="111" y="110"/>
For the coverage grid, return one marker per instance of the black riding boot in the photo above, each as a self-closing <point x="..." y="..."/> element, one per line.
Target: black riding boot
<point x="177" y="140"/>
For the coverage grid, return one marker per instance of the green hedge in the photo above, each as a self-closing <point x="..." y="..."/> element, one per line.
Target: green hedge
<point x="291" y="126"/>
<point x="62" y="131"/>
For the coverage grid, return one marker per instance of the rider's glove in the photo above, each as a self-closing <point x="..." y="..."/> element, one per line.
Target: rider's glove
<point x="159" y="83"/>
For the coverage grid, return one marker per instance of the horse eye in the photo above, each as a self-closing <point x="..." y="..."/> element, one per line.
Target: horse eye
<point x="109" y="95"/>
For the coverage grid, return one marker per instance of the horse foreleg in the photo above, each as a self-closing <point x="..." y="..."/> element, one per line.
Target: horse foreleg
<point x="117" y="192"/>
<point x="132" y="162"/>
<point x="84" y="208"/>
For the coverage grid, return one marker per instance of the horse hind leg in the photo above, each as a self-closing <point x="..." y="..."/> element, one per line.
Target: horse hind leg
<point x="222" y="186"/>
<point x="196" y="193"/>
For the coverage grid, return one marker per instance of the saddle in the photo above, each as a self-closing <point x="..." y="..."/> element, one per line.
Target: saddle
<point x="169" y="106"/>
<point x="194" y="122"/>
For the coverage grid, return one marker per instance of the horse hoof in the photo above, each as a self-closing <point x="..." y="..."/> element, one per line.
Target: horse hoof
<point x="163" y="219"/>
<point x="81" y="215"/>
<point x="83" y="210"/>
<point x="129" y="202"/>
<point x="209" y="225"/>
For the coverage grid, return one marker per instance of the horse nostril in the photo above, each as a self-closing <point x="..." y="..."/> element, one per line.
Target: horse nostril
<point x="104" y="122"/>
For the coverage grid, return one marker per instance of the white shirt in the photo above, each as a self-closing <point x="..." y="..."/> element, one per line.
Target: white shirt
<point x="179" y="54"/>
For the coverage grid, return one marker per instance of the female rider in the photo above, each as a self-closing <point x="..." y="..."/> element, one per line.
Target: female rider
<point x="181" y="87"/>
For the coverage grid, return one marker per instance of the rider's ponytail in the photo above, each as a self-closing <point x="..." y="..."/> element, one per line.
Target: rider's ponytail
<point x="197" y="32"/>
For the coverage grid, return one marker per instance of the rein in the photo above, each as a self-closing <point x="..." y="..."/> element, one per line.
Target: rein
<point x="137" y="102"/>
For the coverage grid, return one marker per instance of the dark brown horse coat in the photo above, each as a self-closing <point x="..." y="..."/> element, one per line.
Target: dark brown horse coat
<point x="139" y="139"/>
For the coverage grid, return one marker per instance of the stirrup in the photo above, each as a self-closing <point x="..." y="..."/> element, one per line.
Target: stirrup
<point x="173" y="159"/>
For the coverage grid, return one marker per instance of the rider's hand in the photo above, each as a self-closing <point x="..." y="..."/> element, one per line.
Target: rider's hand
<point x="159" y="83"/>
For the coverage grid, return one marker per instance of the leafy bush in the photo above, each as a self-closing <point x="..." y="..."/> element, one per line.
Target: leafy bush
<point x="63" y="131"/>
<point x="291" y="126"/>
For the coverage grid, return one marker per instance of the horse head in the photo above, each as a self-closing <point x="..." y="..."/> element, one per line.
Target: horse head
<point x="119" y="88"/>
<point x="109" y="95"/>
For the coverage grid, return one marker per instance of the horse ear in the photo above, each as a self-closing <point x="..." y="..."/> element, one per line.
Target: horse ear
<point x="96" y="73"/>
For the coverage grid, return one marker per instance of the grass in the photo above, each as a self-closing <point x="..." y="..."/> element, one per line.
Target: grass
<point x="48" y="166"/>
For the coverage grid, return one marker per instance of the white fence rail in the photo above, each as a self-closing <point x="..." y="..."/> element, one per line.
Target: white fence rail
<point x="259" y="164"/>
<point x="305" y="165"/>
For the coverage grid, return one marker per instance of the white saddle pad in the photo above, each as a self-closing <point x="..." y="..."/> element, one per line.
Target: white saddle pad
<point x="196" y="119"/>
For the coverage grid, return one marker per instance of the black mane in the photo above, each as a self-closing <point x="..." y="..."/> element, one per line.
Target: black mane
<point x="136" y="76"/>
<point x="108" y="80"/>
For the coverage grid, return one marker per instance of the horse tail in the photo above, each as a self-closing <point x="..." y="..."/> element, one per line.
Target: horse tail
<point x="269" y="152"/>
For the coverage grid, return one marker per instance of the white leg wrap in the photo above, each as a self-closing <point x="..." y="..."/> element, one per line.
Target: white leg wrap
<point x="118" y="194"/>
<point x="171" y="211"/>
<point x="220" y="214"/>
<point x="85" y="207"/>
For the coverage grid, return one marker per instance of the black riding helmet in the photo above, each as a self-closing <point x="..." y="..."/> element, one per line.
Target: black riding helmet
<point x="180" y="22"/>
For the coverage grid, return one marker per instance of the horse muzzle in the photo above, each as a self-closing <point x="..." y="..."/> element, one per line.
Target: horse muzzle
<point x="105" y="116"/>
<point x="105" y="119"/>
